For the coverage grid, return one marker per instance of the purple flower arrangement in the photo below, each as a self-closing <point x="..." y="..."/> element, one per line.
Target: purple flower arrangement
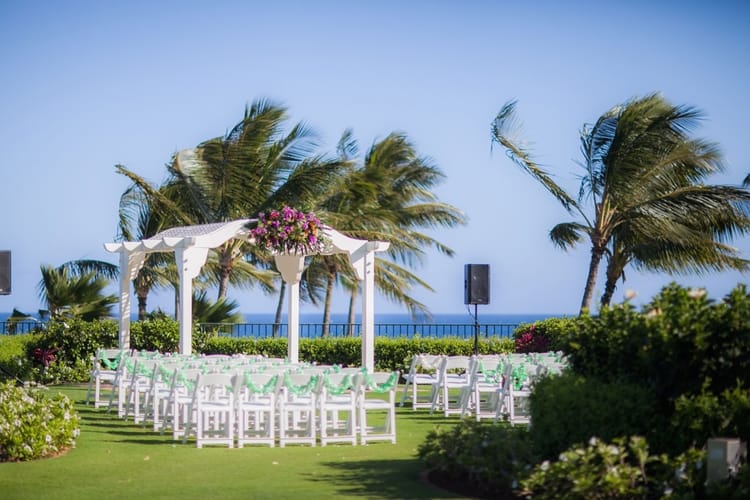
<point x="289" y="231"/>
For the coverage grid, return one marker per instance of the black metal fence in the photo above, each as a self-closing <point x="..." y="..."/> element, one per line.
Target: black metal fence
<point x="315" y="330"/>
<point x="335" y="330"/>
<point x="17" y="327"/>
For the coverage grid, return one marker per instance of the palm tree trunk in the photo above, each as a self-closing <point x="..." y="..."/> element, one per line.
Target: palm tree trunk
<point x="613" y="275"/>
<point x="279" y="308"/>
<point x="597" y="252"/>
<point x="352" y="302"/>
<point x="327" y="304"/>
<point x="226" y="262"/>
<point x="142" y="300"/>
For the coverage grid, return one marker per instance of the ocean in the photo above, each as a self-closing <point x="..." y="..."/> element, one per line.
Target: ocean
<point x="386" y="325"/>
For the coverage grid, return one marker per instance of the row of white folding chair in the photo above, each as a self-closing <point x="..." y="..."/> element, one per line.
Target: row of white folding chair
<point x="290" y="402"/>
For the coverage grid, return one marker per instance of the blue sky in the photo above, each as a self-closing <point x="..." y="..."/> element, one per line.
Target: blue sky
<point x="87" y="85"/>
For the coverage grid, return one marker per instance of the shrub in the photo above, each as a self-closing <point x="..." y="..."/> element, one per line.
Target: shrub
<point x="531" y="341"/>
<point x="622" y="469"/>
<point x="554" y="330"/>
<point x="568" y="409"/>
<point x="489" y="458"/>
<point x="699" y="417"/>
<point x="33" y="425"/>
<point x="14" y="361"/>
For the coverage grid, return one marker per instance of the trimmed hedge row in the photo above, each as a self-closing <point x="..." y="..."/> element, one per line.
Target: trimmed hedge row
<point x="68" y="347"/>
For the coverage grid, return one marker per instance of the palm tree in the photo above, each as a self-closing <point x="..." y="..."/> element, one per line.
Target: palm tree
<point x="70" y="295"/>
<point x="138" y="220"/>
<point x="253" y="167"/>
<point x="388" y="197"/>
<point x="643" y="177"/>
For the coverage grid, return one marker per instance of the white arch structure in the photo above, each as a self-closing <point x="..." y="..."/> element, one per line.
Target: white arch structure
<point x="191" y="244"/>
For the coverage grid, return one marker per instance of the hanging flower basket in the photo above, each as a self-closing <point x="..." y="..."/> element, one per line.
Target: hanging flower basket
<point x="289" y="231"/>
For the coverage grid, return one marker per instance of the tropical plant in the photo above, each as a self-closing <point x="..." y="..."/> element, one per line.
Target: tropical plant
<point x="643" y="176"/>
<point x="220" y="311"/>
<point x="387" y="197"/>
<point x="68" y="295"/>
<point x="138" y="220"/>
<point x="254" y="167"/>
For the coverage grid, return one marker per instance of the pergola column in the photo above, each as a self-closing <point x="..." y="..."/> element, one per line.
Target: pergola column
<point x="189" y="261"/>
<point x="130" y="264"/>
<point x="290" y="267"/>
<point x="368" y="313"/>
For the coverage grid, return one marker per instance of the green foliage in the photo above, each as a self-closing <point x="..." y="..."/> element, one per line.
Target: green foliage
<point x="679" y="341"/>
<point x="161" y="334"/>
<point x="555" y="330"/>
<point x="14" y="360"/>
<point x="622" y="469"/>
<point x="33" y="424"/>
<point x="699" y="417"/>
<point x="390" y="354"/>
<point x="490" y="458"/>
<point x="568" y="409"/>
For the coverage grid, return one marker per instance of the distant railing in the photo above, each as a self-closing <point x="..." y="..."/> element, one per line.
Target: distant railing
<point x="315" y="330"/>
<point x="17" y="327"/>
<point x="336" y="330"/>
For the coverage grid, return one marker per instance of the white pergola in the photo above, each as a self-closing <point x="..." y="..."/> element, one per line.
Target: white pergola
<point x="191" y="244"/>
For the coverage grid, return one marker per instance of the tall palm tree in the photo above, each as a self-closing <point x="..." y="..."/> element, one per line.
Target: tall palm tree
<point x="139" y="220"/>
<point x="255" y="166"/>
<point x="643" y="177"/>
<point x="70" y="295"/>
<point x="388" y="197"/>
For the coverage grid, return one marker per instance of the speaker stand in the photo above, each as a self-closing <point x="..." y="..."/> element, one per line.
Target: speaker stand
<point x="476" y="332"/>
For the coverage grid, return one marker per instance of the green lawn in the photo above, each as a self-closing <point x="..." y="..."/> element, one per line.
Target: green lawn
<point x="117" y="459"/>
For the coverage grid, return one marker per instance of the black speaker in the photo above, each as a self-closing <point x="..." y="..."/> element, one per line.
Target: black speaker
<point x="477" y="284"/>
<point x="4" y="272"/>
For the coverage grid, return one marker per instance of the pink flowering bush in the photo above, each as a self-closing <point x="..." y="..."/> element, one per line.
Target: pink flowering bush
<point x="289" y="231"/>
<point x="532" y="341"/>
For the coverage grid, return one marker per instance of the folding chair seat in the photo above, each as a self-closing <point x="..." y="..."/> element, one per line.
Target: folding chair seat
<point x="104" y="369"/>
<point x="297" y="406"/>
<point x="371" y="387"/>
<point x="452" y="379"/>
<point x="255" y="400"/>
<point x="337" y="395"/>
<point x="211" y="411"/>
<point x="513" y="396"/>
<point x="422" y="372"/>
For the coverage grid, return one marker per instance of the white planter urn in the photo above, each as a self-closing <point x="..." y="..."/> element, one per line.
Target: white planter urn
<point x="290" y="266"/>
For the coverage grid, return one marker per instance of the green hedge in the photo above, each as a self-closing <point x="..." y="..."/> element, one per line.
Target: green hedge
<point x="74" y="343"/>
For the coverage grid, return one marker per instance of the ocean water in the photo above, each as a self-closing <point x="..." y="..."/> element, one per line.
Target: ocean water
<point x="386" y="325"/>
<point x="397" y="318"/>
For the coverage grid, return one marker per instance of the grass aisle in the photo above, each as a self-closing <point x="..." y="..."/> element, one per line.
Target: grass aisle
<point x="116" y="459"/>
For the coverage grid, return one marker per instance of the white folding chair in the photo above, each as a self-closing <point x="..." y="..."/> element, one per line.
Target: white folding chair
<point x="480" y="397"/>
<point x="104" y="369"/>
<point x="513" y="396"/>
<point x="175" y="415"/>
<point x="452" y="379"/>
<point x="337" y="395"/>
<point x="422" y="372"/>
<point x="371" y="387"/>
<point x="297" y="406"/>
<point x="211" y="412"/>
<point x="255" y="401"/>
